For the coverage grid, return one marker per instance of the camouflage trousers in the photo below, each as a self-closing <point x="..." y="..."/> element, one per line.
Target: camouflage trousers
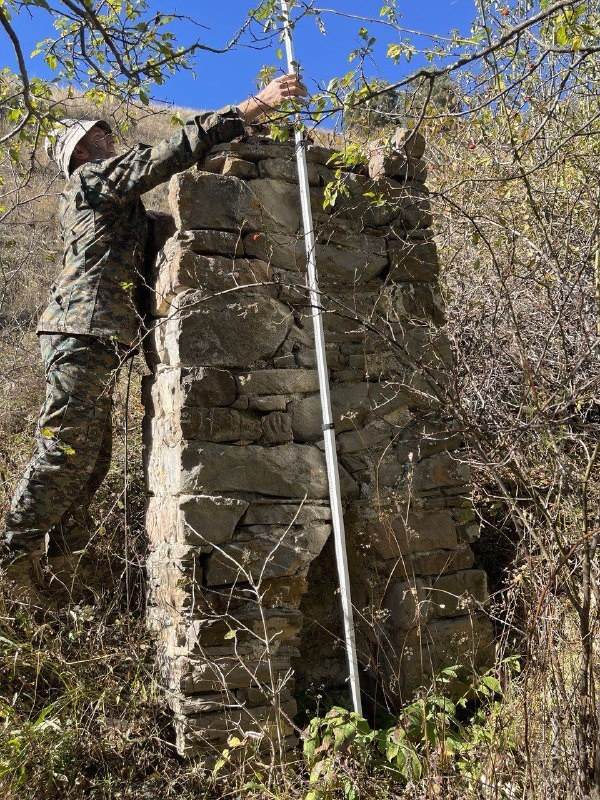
<point x="73" y="440"/>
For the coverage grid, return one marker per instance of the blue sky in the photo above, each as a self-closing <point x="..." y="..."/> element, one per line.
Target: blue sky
<point x="229" y="77"/>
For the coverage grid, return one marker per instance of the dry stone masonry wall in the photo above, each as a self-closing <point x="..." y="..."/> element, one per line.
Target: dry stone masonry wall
<point x="242" y="575"/>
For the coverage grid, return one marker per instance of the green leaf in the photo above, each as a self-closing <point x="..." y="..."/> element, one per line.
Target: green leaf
<point x="451" y="672"/>
<point x="443" y="703"/>
<point x="561" y="36"/>
<point x="220" y="763"/>
<point x="230" y="634"/>
<point x="577" y="42"/>
<point x="453" y="742"/>
<point x="492" y="683"/>
<point x="394" y="52"/>
<point x="392" y="751"/>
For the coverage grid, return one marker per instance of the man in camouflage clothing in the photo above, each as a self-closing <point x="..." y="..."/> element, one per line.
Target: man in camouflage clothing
<point x="93" y="321"/>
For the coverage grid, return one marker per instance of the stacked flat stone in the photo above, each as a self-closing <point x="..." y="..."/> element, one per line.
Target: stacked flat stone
<point x="241" y="571"/>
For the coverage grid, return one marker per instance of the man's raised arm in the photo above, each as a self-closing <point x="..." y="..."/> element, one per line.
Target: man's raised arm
<point x="144" y="167"/>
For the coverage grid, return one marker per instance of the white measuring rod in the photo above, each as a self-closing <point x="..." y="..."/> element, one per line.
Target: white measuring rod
<point x="333" y="476"/>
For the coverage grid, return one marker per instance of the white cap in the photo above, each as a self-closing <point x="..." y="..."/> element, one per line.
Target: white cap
<point x="66" y="135"/>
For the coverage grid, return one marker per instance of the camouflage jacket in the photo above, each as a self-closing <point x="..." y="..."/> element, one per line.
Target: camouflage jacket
<point x="104" y="230"/>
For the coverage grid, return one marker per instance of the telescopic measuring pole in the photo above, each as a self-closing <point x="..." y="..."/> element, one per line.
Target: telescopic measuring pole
<point x="333" y="477"/>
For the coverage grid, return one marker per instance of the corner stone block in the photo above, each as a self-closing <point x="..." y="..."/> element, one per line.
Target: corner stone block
<point x="396" y="165"/>
<point x="396" y="535"/>
<point x="210" y="242"/>
<point x="210" y="275"/>
<point x="192" y="520"/>
<point x="281" y="553"/>
<point x="203" y="200"/>
<point x="209" y="519"/>
<point x="437" y="562"/>
<point x="452" y="641"/>
<point x="172" y="390"/>
<point x="411" y="260"/>
<point x="161" y="520"/>
<point x="220" y="425"/>
<point x="440" y="470"/>
<point x="211" y="676"/>
<point x="409" y="141"/>
<point x="407" y="205"/>
<point x="410" y="301"/>
<point x="174" y="571"/>
<point x="203" y="734"/>
<point x="235" y="715"/>
<point x="259" y="150"/>
<point x="206" y="387"/>
<point x="287" y="470"/>
<point x="255" y="150"/>
<point x="253" y="627"/>
<point x="223" y="331"/>
<point x="425" y="437"/>
<point x="373" y="437"/>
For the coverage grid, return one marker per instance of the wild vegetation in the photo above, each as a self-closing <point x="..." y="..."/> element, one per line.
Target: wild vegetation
<point x="511" y="115"/>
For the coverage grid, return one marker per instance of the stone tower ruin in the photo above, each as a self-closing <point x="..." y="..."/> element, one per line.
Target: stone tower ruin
<point x="241" y="569"/>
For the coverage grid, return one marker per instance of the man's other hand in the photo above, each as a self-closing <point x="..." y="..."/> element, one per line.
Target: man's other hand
<point x="272" y="97"/>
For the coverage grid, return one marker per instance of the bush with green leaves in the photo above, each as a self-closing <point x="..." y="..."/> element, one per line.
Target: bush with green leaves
<point x="443" y="728"/>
